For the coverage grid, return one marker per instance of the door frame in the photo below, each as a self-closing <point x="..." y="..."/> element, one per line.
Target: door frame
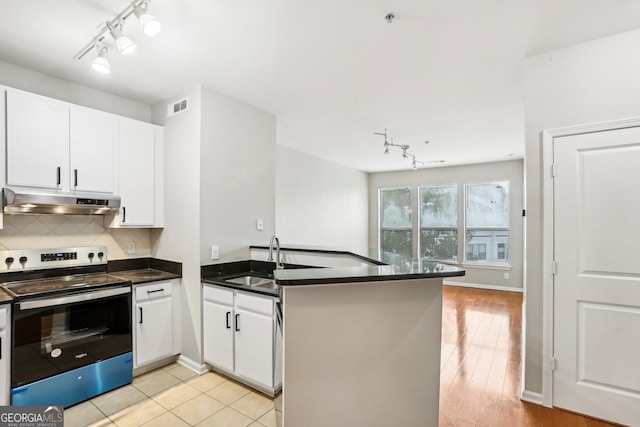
<point x="547" y="139"/>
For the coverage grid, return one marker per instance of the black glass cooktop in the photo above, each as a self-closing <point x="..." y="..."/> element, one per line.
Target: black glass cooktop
<point x="61" y="284"/>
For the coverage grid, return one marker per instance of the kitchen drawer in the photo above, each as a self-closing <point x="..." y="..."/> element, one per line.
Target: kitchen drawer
<point x="152" y="290"/>
<point x="219" y="295"/>
<point x="252" y="302"/>
<point x="3" y="317"/>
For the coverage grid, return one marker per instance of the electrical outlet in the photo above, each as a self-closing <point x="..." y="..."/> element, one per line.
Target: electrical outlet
<point x="505" y="276"/>
<point x="259" y="224"/>
<point x="131" y="248"/>
<point x="215" y="252"/>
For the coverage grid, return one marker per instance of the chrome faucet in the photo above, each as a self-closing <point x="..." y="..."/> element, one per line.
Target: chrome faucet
<point x="278" y="262"/>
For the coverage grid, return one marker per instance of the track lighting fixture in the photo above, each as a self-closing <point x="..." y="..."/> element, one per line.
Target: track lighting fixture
<point x="404" y="148"/>
<point x="101" y="63"/>
<point x="123" y="43"/>
<point x="149" y="23"/>
<point x="150" y="26"/>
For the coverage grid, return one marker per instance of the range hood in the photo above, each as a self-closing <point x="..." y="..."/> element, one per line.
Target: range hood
<point x="16" y="202"/>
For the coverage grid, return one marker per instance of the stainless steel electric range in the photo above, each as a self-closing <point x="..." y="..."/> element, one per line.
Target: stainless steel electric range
<point x="71" y="325"/>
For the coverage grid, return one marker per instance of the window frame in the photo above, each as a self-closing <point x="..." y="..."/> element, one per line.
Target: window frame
<point x="455" y="228"/>
<point x="493" y="264"/>
<point x="410" y="227"/>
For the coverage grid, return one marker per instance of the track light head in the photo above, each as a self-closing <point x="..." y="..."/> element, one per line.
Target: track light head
<point x="101" y="63"/>
<point x="123" y="43"/>
<point x="149" y="23"/>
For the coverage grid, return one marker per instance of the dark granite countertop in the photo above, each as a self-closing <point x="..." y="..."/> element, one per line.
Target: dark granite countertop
<point x="144" y="270"/>
<point x="4" y="297"/>
<point x="219" y="274"/>
<point x="318" y="276"/>
<point x="144" y="275"/>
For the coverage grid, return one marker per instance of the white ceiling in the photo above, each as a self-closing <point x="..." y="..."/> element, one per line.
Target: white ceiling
<point x="334" y="72"/>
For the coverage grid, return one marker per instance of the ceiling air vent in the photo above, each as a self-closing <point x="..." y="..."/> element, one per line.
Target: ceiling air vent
<point x="177" y="107"/>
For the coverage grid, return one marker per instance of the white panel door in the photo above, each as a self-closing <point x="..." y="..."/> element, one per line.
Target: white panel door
<point x="254" y="346"/>
<point x="154" y="330"/>
<point x="217" y="321"/>
<point x="37" y="141"/>
<point x="92" y="141"/>
<point x="597" y="285"/>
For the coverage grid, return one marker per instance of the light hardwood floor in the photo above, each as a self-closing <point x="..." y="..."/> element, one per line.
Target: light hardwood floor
<point x="480" y="381"/>
<point x="480" y="368"/>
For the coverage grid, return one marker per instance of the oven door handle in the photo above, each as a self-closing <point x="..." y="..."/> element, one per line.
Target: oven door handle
<point x="85" y="296"/>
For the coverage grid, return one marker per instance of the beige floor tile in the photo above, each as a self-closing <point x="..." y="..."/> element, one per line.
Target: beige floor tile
<point x="102" y="423"/>
<point x="206" y="382"/>
<point x="180" y="371"/>
<point x="253" y="405"/>
<point x="228" y="392"/>
<point x="167" y="419"/>
<point x="138" y="414"/>
<point x="157" y="383"/>
<point x="256" y="424"/>
<point x="83" y="414"/>
<point x="119" y="399"/>
<point x="198" y="409"/>
<point x="176" y="395"/>
<point x="226" y="418"/>
<point x="269" y="419"/>
<point x="147" y="375"/>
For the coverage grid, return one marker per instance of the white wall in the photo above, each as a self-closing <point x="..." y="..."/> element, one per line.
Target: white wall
<point x="179" y="240"/>
<point x="320" y="203"/>
<point x="237" y="173"/>
<point x="511" y="171"/>
<point x="219" y="177"/>
<point x="36" y="82"/>
<point x="591" y="82"/>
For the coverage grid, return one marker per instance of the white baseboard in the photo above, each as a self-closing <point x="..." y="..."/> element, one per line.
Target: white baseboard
<point x="531" y="397"/>
<point x="481" y="286"/>
<point x="198" y="368"/>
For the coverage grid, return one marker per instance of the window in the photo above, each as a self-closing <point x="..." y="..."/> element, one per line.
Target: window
<point x="487" y="222"/>
<point x="396" y="225"/>
<point x="439" y="222"/>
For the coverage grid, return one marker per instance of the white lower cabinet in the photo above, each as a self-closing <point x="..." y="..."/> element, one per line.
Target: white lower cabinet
<point x="240" y="336"/>
<point x="156" y="321"/>
<point x="5" y="356"/>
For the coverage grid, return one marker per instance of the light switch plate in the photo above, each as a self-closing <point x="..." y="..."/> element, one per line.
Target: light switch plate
<point x="215" y="252"/>
<point x="259" y="224"/>
<point x="131" y="248"/>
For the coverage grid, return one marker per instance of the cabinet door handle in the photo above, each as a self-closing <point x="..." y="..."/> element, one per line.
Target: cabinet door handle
<point x="140" y="315"/>
<point x="228" y="326"/>
<point x="58" y="175"/>
<point x="0" y="348"/>
<point x="237" y="318"/>
<point x="124" y="214"/>
<point x="155" y="290"/>
<point x="75" y="177"/>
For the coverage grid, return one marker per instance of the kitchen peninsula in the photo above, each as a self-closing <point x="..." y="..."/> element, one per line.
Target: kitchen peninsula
<point x="362" y="345"/>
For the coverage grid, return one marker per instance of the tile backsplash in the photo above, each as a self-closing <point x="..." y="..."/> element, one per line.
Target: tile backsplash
<point x="61" y="231"/>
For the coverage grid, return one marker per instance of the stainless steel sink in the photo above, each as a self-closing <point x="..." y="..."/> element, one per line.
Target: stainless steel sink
<point x="252" y="281"/>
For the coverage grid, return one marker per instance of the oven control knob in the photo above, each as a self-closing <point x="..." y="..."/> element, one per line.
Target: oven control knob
<point x="23" y="260"/>
<point x="9" y="261"/>
<point x="91" y="255"/>
<point x="100" y="255"/>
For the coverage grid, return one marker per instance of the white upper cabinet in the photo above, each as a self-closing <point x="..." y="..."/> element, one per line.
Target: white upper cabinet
<point x="93" y="142"/>
<point x="55" y="145"/>
<point x="37" y="141"/>
<point x="140" y="174"/>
